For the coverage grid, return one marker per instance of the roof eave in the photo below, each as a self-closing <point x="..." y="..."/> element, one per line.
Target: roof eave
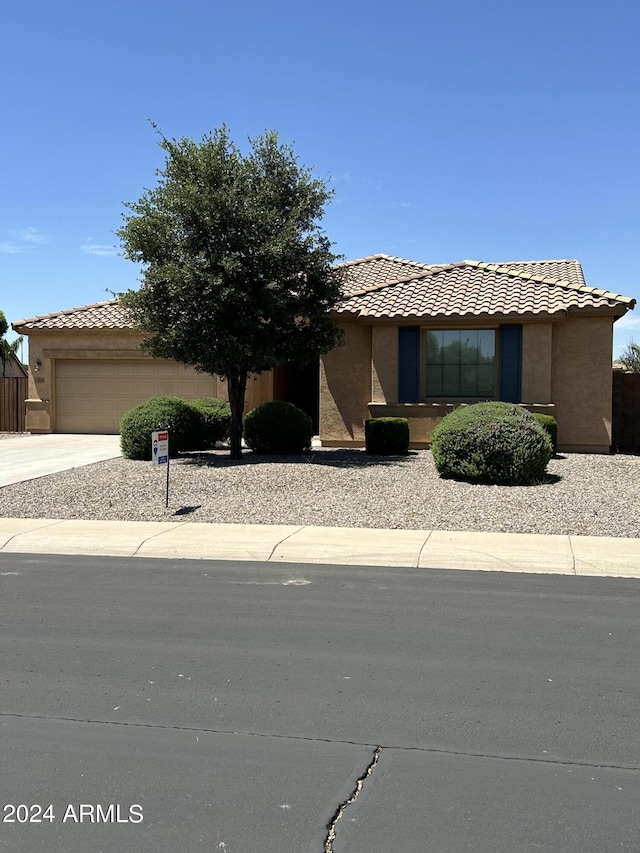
<point x="469" y="318"/>
<point x="53" y="330"/>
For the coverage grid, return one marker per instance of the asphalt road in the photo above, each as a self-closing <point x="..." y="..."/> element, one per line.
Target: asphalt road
<point x="194" y="705"/>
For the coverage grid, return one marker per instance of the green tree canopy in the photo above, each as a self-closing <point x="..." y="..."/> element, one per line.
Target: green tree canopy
<point x="238" y="277"/>
<point x="7" y="350"/>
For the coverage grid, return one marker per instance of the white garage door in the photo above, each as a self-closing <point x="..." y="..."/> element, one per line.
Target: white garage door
<point x="92" y="396"/>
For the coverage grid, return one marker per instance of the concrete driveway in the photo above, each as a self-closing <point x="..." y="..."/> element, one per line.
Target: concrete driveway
<point x="28" y="457"/>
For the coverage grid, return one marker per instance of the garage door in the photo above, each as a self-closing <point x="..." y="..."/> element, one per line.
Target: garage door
<point x="92" y="396"/>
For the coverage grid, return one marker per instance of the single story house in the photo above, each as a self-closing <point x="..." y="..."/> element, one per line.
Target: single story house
<point x="420" y="339"/>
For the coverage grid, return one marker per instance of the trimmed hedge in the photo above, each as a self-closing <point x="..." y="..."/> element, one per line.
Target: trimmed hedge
<point x="277" y="427"/>
<point x="172" y="413"/>
<point x="498" y="443"/>
<point x="215" y="421"/>
<point x="386" y="436"/>
<point x="549" y="423"/>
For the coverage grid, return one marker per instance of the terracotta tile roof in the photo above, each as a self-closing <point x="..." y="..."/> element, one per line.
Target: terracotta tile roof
<point x="379" y="269"/>
<point x="102" y="315"/>
<point x="475" y="288"/>
<point x="560" y="270"/>
<point x="385" y="286"/>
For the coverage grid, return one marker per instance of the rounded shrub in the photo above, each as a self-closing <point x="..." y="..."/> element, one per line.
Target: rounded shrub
<point x="277" y="427"/>
<point x="215" y="421"/>
<point x="172" y="413"/>
<point x="491" y="443"/>
<point x="550" y="425"/>
<point x="386" y="436"/>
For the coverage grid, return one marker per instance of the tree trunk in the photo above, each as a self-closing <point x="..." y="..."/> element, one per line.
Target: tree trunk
<point x="236" y="385"/>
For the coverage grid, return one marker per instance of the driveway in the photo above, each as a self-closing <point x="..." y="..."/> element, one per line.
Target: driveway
<point x="28" y="457"/>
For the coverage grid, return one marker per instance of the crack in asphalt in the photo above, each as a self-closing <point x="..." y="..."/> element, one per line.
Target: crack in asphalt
<point x="533" y="759"/>
<point x="331" y="826"/>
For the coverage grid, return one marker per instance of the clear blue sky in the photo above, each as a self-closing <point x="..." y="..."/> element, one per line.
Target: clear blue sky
<point x="450" y="129"/>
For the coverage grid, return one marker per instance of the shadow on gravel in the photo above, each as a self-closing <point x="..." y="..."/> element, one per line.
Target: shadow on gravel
<point x="335" y="458"/>
<point x="187" y="510"/>
<point x="550" y="479"/>
<point x="339" y="458"/>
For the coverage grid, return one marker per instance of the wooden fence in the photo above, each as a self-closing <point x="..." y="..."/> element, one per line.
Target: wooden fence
<point x="625" y="426"/>
<point x="13" y="393"/>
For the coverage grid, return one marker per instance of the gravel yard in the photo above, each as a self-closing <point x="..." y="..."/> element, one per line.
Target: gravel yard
<point x="584" y="494"/>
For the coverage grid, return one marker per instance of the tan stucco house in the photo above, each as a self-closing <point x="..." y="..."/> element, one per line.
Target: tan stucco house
<point x="419" y="340"/>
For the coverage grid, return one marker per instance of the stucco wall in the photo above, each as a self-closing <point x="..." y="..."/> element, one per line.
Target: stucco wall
<point x="566" y="372"/>
<point x="345" y="388"/>
<point x="45" y="346"/>
<point x="537" y="352"/>
<point x="565" y="363"/>
<point x="384" y="364"/>
<point x="259" y="390"/>
<point x="581" y="383"/>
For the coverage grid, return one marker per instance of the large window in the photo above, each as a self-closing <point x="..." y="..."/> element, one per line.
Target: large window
<point x="461" y="363"/>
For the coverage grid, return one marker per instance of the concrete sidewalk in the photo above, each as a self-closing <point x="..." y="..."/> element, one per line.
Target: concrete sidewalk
<point x="428" y="549"/>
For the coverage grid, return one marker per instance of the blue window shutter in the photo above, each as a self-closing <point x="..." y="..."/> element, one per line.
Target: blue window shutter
<point x="511" y="363"/>
<point x="409" y="364"/>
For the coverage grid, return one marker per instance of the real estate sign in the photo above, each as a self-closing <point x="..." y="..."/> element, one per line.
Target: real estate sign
<point x="160" y="454"/>
<point x="160" y="447"/>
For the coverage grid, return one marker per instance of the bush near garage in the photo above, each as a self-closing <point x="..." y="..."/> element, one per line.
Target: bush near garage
<point x="182" y="420"/>
<point x="498" y="443"/>
<point x="277" y="427"/>
<point x="550" y="425"/>
<point x="215" y="421"/>
<point x="386" y="436"/>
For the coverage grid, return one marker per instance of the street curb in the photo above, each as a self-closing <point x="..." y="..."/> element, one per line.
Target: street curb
<point x="425" y="549"/>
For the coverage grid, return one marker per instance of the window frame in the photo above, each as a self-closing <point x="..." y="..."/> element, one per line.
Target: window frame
<point x="412" y="362"/>
<point x="426" y="397"/>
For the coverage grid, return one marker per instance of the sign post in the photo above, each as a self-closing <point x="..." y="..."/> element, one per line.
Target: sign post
<point x="160" y="453"/>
